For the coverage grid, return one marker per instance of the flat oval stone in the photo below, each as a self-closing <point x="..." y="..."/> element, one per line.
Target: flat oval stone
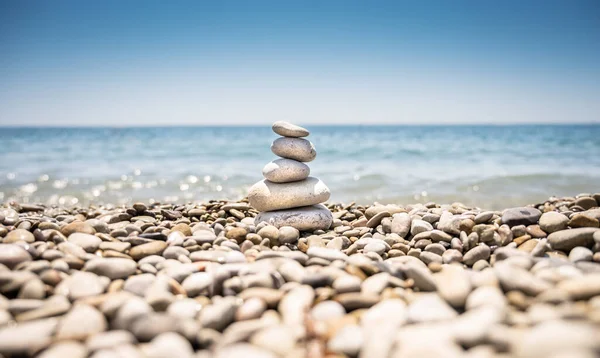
<point x="566" y="240"/>
<point x="285" y="171"/>
<point x="308" y="218"/>
<point x="521" y="216"/>
<point x="269" y="196"/>
<point x="288" y="129"/>
<point x="294" y="148"/>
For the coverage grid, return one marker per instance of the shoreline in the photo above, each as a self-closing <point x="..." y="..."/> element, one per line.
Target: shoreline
<point x="202" y="280"/>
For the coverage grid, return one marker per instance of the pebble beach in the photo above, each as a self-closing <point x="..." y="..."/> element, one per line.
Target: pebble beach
<point x="203" y="280"/>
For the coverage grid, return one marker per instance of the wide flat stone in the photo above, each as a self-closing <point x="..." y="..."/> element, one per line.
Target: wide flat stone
<point x="288" y="129"/>
<point x="294" y="148"/>
<point x="285" y="171"/>
<point x="269" y="196"/>
<point x="521" y="216"/>
<point x="308" y="218"/>
<point x="566" y="240"/>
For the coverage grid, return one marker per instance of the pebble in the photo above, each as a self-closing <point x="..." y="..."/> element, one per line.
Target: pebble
<point x="586" y="202"/>
<point x="286" y="129"/>
<point x="327" y="254"/>
<point x="269" y="232"/>
<point x="418" y="226"/>
<point x="288" y="235"/>
<point x="580" y="288"/>
<point x="429" y="307"/>
<point x="549" y="338"/>
<point x="401" y="224"/>
<point x="553" y="221"/>
<point x="80" y="285"/>
<point x="580" y="254"/>
<point x="479" y="252"/>
<point x="348" y="341"/>
<point x="376" y="246"/>
<point x="89" y="243"/>
<point x="80" y="323"/>
<point x="582" y="220"/>
<point x="147" y="327"/>
<point x="315" y="217"/>
<point x="521" y="216"/>
<point x="513" y="278"/>
<point x="298" y="149"/>
<point x="354" y="301"/>
<point x="453" y="285"/>
<point x="11" y="255"/>
<point x="197" y="283"/>
<point x="151" y="248"/>
<point x="252" y="308"/>
<point x="268" y="196"/>
<point x="279" y="339"/>
<point x="327" y="310"/>
<point x="27" y="336"/>
<point x="347" y="283"/>
<point x="169" y="344"/>
<point x="113" y="268"/>
<point x="218" y="315"/>
<point x="566" y="240"/>
<point x="65" y="349"/>
<point x="77" y="226"/>
<point x="486" y="296"/>
<point x="376" y="219"/>
<point x="109" y="339"/>
<point x="295" y="304"/>
<point x="285" y="170"/>
<point x="18" y="235"/>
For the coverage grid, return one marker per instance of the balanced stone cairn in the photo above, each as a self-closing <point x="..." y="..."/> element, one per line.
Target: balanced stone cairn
<point x="288" y="196"/>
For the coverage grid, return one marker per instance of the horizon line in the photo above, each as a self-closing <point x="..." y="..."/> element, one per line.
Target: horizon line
<point x="225" y="125"/>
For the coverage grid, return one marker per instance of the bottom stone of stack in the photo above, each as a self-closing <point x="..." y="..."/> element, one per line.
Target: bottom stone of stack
<point x="305" y="218"/>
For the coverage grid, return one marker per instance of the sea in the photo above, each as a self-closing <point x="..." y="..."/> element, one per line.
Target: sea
<point x="491" y="167"/>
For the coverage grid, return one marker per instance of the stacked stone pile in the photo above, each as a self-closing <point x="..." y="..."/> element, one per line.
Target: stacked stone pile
<point x="288" y="196"/>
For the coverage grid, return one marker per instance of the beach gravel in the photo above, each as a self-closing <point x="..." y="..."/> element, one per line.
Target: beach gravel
<point x="345" y="280"/>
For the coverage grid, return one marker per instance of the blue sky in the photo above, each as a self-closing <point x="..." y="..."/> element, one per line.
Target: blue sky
<point x="121" y="63"/>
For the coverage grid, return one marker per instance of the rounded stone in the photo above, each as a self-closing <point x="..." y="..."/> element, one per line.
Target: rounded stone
<point x="268" y="196"/>
<point x="69" y="349"/>
<point x="19" y="235"/>
<point x="480" y="252"/>
<point x="294" y="148"/>
<point x="269" y="232"/>
<point x="521" y="216"/>
<point x="285" y="171"/>
<point x="308" y="218"/>
<point x="565" y="240"/>
<point x="553" y="221"/>
<point x="288" y="129"/>
<point x="288" y="235"/>
<point x="77" y="226"/>
<point x="151" y="248"/>
<point x="81" y="322"/>
<point x="11" y="255"/>
<point x="580" y="253"/>
<point x="252" y="308"/>
<point x="89" y="243"/>
<point x="112" y="267"/>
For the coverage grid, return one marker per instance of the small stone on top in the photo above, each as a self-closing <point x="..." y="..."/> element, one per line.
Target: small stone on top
<point x="287" y="129"/>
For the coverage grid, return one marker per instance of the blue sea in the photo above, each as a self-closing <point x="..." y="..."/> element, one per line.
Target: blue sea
<point x="490" y="167"/>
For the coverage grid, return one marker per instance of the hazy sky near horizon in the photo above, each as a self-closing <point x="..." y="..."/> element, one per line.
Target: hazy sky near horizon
<point x="129" y="63"/>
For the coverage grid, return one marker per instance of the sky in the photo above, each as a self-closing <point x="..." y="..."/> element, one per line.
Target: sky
<point x="152" y="63"/>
